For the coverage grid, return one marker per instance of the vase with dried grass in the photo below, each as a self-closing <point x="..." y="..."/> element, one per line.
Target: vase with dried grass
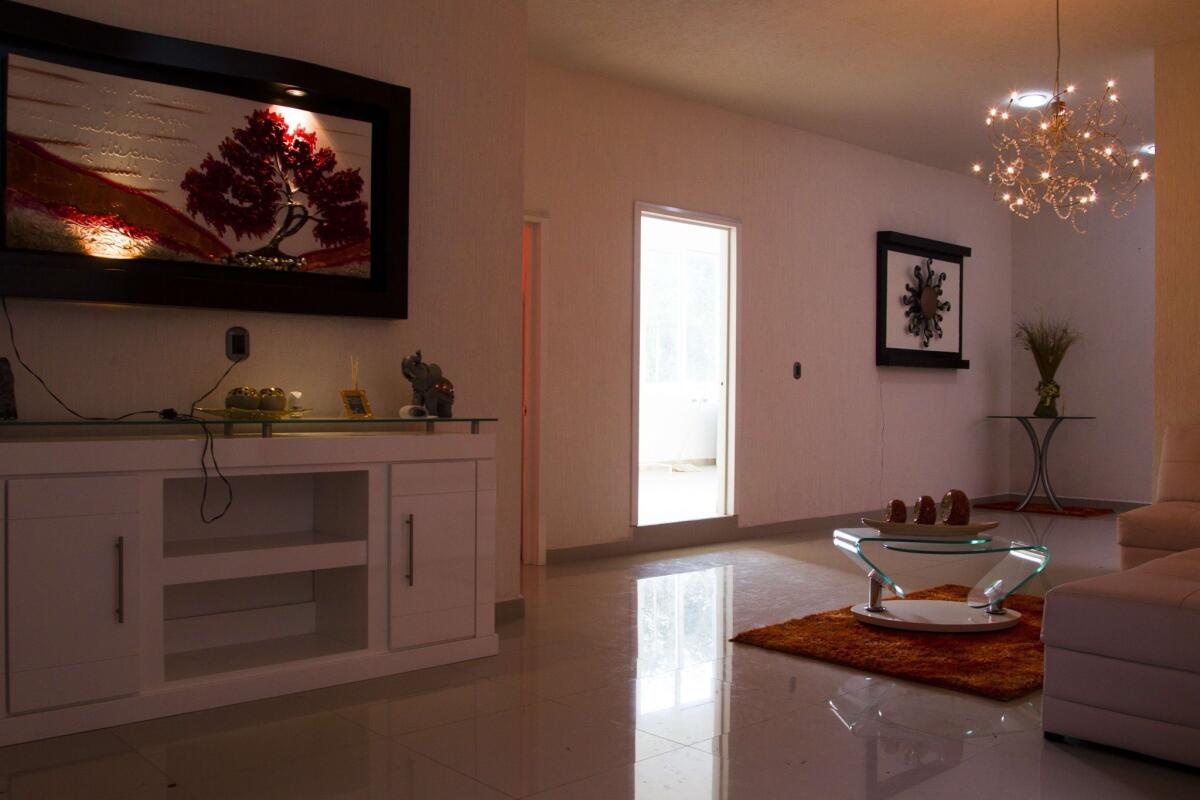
<point x="1048" y="341"/>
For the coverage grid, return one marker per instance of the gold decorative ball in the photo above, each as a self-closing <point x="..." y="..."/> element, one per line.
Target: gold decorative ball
<point x="272" y="398"/>
<point x="243" y="397"/>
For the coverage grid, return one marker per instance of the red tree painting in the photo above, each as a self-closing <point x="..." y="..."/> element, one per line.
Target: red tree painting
<point x="267" y="169"/>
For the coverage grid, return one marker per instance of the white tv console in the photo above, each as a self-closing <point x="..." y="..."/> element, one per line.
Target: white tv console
<point x="345" y="556"/>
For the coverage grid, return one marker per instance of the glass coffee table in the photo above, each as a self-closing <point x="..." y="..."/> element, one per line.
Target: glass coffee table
<point x="1005" y="565"/>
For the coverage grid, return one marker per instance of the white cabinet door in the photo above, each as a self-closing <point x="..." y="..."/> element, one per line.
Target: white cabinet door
<point x="432" y="569"/>
<point x="72" y="627"/>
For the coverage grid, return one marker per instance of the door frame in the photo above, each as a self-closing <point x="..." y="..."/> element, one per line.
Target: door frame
<point x="533" y="356"/>
<point x="725" y="422"/>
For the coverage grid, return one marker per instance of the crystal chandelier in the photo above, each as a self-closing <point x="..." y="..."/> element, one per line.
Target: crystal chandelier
<point x="1069" y="158"/>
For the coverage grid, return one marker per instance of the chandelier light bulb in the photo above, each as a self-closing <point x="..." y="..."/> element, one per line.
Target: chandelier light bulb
<point x="1087" y="134"/>
<point x="1111" y="84"/>
<point x="1004" y="115"/>
<point x="1145" y="176"/>
<point x="1136" y="161"/>
<point x="1020" y="201"/>
<point x="1071" y="88"/>
<point x="1045" y="175"/>
<point x="976" y="168"/>
<point x="1113" y="96"/>
<point x="1108" y="151"/>
<point x="1010" y="170"/>
<point x="1006" y="197"/>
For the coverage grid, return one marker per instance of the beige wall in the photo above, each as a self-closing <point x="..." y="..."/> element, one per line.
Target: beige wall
<point x="810" y="209"/>
<point x="465" y="63"/>
<point x="1103" y="281"/>
<point x="1177" y="235"/>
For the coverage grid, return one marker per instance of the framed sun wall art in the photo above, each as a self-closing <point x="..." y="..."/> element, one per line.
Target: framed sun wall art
<point x="919" y="302"/>
<point x="143" y="169"/>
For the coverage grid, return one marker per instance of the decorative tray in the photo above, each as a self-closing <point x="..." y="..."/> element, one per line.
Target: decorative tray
<point x="254" y="415"/>
<point x="913" y="529"/>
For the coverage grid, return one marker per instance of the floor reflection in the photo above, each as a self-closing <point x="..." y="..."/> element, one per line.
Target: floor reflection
<point x="682" y="624"/>
<point x="913" y="733"/>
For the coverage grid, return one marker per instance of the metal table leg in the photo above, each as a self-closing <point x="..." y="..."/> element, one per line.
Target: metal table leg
<point x="1046" y="463"/>
<point x="874" y="593"/>
<point x="1041" y="471"/>
<point x="1037" y="464"/>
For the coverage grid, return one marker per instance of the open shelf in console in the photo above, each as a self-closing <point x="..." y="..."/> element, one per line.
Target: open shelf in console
<point x="279" y="523"/>
<point x="215" y="627"/>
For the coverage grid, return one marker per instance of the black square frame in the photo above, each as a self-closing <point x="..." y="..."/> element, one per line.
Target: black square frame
<point x="59" y="38"/>
<point x="892" y="241"/>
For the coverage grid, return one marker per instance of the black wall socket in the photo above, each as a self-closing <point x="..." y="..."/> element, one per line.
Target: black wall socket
<point x="237" y="344"/>
<point x="796" y="370"/>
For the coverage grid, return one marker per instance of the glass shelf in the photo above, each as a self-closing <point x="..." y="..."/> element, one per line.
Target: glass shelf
<point x="265" y="427"/>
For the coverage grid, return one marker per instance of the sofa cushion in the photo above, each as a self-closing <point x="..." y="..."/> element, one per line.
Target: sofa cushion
<point x="1149" y="614"/>
<point x="1179" y="464"/>
<point x="1172" y="525"/>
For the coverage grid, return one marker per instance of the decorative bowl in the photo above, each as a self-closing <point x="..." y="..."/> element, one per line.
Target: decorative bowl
<point x="918" y="531"/>
<point x="272" y="398"/>
<point x="243" y="397"/>
<point x="254" y="414"/>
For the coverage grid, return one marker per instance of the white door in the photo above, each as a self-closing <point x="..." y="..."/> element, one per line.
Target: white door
<point x="684" y="366"/>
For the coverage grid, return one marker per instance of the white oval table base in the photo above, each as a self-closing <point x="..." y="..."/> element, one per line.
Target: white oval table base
<point x="935" y="616"/>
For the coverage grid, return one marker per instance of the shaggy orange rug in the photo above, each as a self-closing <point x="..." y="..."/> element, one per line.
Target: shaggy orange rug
<point x="1002" y="665"/>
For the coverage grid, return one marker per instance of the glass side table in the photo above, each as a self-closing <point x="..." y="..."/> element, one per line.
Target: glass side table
<point x="1041" y="455"/>
<point x="1006" y="565"/>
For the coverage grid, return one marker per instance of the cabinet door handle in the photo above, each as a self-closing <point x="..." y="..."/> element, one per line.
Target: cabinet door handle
<point x="120" y="548"/>
<point x="412" y="530"/>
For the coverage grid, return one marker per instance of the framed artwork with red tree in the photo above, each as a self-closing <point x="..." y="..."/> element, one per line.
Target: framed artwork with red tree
<point x="207" y="176"/>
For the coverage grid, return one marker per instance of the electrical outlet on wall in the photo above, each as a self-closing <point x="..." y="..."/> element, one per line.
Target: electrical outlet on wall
<point x="237" y="344"/>
<point x="796" y="370"/>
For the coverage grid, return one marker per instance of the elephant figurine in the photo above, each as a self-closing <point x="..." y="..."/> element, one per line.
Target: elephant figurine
<point x="430" y="388"/>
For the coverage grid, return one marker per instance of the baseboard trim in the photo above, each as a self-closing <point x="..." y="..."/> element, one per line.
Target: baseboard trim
<point x="696" y="533"/>
<point x="510" y="610"/>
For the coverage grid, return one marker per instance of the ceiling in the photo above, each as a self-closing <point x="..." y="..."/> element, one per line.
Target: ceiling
<point x="913" y="78"/>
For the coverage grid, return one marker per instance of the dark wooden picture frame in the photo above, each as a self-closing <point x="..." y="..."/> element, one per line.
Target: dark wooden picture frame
<point x="73" y="42"/>
<point x="356" y="404"/>
<point x="886" y="304"/>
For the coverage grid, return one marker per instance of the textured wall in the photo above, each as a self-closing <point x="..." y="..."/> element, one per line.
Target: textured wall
<point x="466" y="67"/>
<point x="1103" y="281"/>
<point x="1177" y="237"/>
<point x="810" y="208"/>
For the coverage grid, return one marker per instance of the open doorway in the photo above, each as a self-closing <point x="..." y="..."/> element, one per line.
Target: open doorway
<point x="533" y="233"/>
<point x="684" y="310"/>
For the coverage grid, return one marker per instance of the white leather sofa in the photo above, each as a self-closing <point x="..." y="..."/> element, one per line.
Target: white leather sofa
<point x="1172" y="522"/>
<point x="1123" y="658"/>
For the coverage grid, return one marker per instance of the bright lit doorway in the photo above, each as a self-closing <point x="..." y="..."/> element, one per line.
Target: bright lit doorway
<point x="683" y="365"/>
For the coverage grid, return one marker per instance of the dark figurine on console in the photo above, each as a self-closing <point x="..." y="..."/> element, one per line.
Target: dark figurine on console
<point x="430" y="388"/>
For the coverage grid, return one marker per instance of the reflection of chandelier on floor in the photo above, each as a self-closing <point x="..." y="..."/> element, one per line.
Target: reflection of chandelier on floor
<point x="1067" y="158"/>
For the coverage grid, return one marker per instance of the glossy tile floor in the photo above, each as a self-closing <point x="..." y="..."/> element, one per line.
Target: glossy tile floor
<point x="620" y="684"/>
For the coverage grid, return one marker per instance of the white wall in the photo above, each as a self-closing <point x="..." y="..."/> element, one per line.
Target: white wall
<point x="810" y="208"/>
<point x="1103" y="281"/>
<point x="465" y="63"/>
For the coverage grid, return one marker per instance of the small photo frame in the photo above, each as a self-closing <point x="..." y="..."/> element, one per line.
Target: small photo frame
<point x="356" y="403"/>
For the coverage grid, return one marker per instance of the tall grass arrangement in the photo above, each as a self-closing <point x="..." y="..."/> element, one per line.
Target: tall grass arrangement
<point x="1048" y="341"/>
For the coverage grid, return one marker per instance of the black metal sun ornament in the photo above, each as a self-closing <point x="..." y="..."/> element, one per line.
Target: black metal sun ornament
<point x="924" y="302"/>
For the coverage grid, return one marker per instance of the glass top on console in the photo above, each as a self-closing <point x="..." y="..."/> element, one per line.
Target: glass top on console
<point x="1034" y="416"/>
<point x="998" y="565"/>
<point x="229" y="424"/>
